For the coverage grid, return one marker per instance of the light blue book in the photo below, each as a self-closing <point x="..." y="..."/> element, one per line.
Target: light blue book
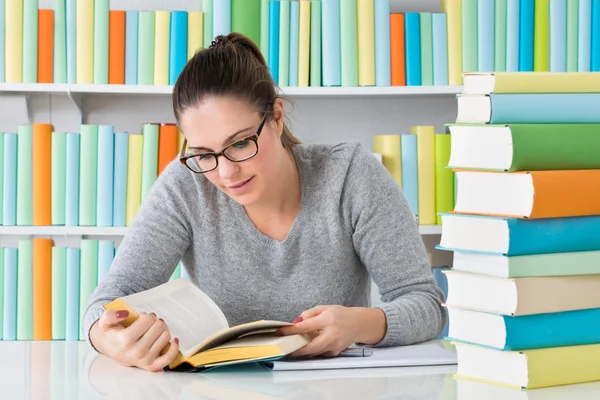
<point x="331" y="45"/>
<point x="526" y="23"/>
<point x="104" y="209"/>
<point x="9" y="192"/>
<point x="558" y="36"/>
<point x="410" y="182"/>
<point x="60" y="40"/>
<point x="1" y="291"/>
<point x="183" y="271"/>
<point x="500" y="36"/>
<point x="1" y="175"/>
<point x="512" y="35"/>
<point x="25" y="175"/>
<point x="412" y="33"/>
<point x="440" y="49"/>
<point x="71" y="41"/>
<point x="131" y="47"/>
<point x="59" y="292"/>
<point x="10" y="294"/>
<point x="25" y="290"/>
<point x="207" y="11"/>
<point x="485" y="32"/>
<point x="59" y="177"/>
<point x="294" y="42"/>
<point x="120" y="178"/>
<point x="178" y="44"/>
<point x="284" y="43"/>
<point x="72" y="314"/>
<point x="72" y="180"/>
<point x="273" y="60"/>
<point x="595" y="49"/>
<point x="585" y="33"/>
<point x="382" y="43"/>
<point x="442" y="283"/>
<point x="2" y="42"/>
<point x="426" y="33"/>
<point x="106" y="251"/>
<point x="221" y="17"/>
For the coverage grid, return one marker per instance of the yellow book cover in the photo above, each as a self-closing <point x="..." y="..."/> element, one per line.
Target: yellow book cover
<point x="134" y="177"/>
<point x="444" y="177"/>
<point x="453" y="10"/>
<point x="13" y="41"/>
<point x="366" y="42"/>
<point x="389" y="147"/>
<point x="304" y="44"/>
<point x="162" y="35"/>
<point x="85" y="41"/>
<point x="205" y="339"/>
<point x="425" y="173"/>
<point x="531" y="82"/>
<point x="541" y="36"/>
<point x="195" y="32"/>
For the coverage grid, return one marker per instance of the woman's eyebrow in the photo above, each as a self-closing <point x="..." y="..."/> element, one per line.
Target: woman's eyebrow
<point x="225" y="142"/>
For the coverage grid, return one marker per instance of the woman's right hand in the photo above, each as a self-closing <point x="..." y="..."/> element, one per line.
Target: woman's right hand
<point x="138" y="345"/>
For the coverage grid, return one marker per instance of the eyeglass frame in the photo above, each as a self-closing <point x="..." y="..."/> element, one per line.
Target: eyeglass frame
<point x="183" y="159"/>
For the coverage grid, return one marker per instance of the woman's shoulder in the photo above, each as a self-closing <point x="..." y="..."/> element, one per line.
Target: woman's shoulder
<point x="336" y="159"/>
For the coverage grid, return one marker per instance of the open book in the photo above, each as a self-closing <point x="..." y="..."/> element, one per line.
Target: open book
<point x="205" y="337"/>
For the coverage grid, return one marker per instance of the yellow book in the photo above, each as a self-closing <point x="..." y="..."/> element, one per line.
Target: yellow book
<point x="195" y="32"/>
<point x="162" y="36"/>
<point x="180" y="139"/>
<point x="366" y="42"/>
<point x="425" y="173"/>
<point x="529" y="369"/>
<point x="205" y="339"/>
<point x="304" y="44"/>
<point x="14" y="41"/>
<point x="531" y="82"/>
<point x="541" y="36"/>
<point x="134" y="177"/>
<point x="85" y="41"/>
<point x="391" y="154"/>
<point x="453" y="10"/>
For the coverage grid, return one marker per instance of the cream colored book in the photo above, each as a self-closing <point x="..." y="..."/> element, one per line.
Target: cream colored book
<point x="531" y="82"/>
<point x="426" y="173"/>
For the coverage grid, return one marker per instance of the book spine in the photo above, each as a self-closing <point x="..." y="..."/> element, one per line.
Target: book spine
<point x="558" y="36"/>
<point x="71" y="38"/>
<point x="513" y="11"/>
<point x="572" y="35"/>
<point x="85" y="41"/>
<point x="440" y="49"/>
<point x="131" y="47"/>
<point x="178" y="46"/>
<point x="1" y="292"/>
<point x="526" y="30"/>
<point x="221" y="17"/>
<point x="149" y="157"/>
<point x="30" y="41"/>
<point x="59" y="292"/>
<point x="382" y="43"/>
<point x="315" y="43"/>
<point x="105" y="173"/>
<point x="564" y="108"/>
<point x="453" y="10"/>
<point x="273" y="60"/>
<point x="541" y="36"/>
<point x="584" y="39"/>
<point x="101" y="25"/>
<point x="25" y="290"/>
<point x="409" y="171"/>
<point x="116" y="47"/>
<point x="14" y="47"/>
<point x="120" y="180"/>
<point x="444" y="180"/>
<point x="264" y="27"/>
<point x="10" y="294"/>
<point x="45" y="57"/>
<point x="42" y="174"/>
<point x="72" y="180"/>
<point x="42" y="288"/>
<point x="195" y="33"/>
<point x="9" y="195"/>
<point x="162" y="31"/>
<point x="366" y="42"/>
<point x="397" y="50"/>
<point x="72" y="294"/>
<point x="426" y="174"/>
<point x="207" y="11"/>
<point x="348" y="43"/>
<point x="390" y="149"/>
<point x="1" y="178"/>
<point x="500" y="36"/>
<point x="304" y="45"/>
<point x="134" y="176"/>
<point x="25" y="175"/>
<point x="284" y="43"/>
<point x="88" y="275"/>
<point x="485" y="35"/>
<point x="595" y="41"/>
<point x="167" y="145"/>
<point x="145" y="73"/>
<point x="106" y="250"/>
<point x="469" y="35"/>
<point x="412" y="23"/>
<point x="60" y="41"/>
<point x="88" y="174"/>
<point x="294" y="42"/>
<point x="426" y="32"/>
<point x="2" y="41"/>
<point x="245" y="18"/>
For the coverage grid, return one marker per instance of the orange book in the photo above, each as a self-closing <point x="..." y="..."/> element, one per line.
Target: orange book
<point x="42" y="174"/>
<point x="397" y="50"/>
<point x="167" y="145"/>
<point x="45" y="46"/>
<point x="116" y="48"/>
<point x="528" y="194"/>
<point x="42" y="289"/>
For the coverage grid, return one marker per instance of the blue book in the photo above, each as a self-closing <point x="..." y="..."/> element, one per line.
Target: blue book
<point x="2" y="42"/>
<point x="442" y="283"/>
<point x="585" y="33"/>
<point x="440" y="49"/>
<point x="330" y="42"/>
<point x="273" y="60"/>
<point x="9" y="192"/>
<point x="72" y="180"/>
<point x="60" y="41"/>
<point x="486" y="23"/>
<point x="120" y="178"/>
<point x="178" y="44"/>
<point x="558" y="35"/>
<point x="524" y="237"/>
<point x="72" y="287"/>
<point x="106" y="251"/>
<point x="131" y="47"/>
<point x="526" y="22"/>
<point x="412" y="33"/>
<point x="221" y="17"/>
<point x="294" y="42"/>
<point x="284" y="43"/>
<point x="595" y="49"/>
<point x="71" y="41"/>
<point x="410" y="182"/>
<point x="104" y="194"/>
<point x="183" y="271"/>
<point x="566" y="328"/>
<point x="512" y="35"/>
<point x="382" y="43"/>
<point x="10" y="294"/>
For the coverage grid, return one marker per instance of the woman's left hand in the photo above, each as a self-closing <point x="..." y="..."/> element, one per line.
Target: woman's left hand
<point x="335" y="328"/>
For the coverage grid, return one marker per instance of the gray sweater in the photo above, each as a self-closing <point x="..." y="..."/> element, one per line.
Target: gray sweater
<point x="353" y="224"/>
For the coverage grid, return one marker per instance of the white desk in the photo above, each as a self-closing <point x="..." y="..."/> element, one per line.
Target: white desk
<point x="68" y="370"/>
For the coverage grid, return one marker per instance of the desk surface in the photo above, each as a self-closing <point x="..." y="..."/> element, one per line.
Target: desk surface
<point x="69" y="370"/>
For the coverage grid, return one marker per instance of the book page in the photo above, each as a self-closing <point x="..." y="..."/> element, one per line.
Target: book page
<point x="188" y="312"/>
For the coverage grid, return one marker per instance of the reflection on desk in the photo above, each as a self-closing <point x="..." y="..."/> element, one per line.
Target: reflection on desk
<point x="70" y="370"/>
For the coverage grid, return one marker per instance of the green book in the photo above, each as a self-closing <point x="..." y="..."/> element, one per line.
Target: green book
<point x="88" y="172"/>
<point x="88" y="278"/>
<point x="30" y="41"/>
<point x="146" y="47"/>
<point x="426" y="49"/>
<point x="176" y="273"/>
<point x="60" y="41"/>
<point x="101" y="26"/>
<point x="24" y="175"/>
<point x="1" y="292"/>
<point x="264" y="28"/>
<point x="444" y="180"/>
<point x="469" y="35"/>
<point x="59" y="292"/>
<point x="207" y="9"/>
<point x="59" y="177"/>
<point x="572" y="35"/>
<point x="315" y="43"/>
<point x="149" y="157"/>
<point x="25" y="291"/>
<point x="245" y="18"/>
<point x="2" y="176"/>
<point x="541" y="36"/>
<point x="525" y="147"/>
<point x="284" y="44"/>
<point x="349" y="43"/>
<point x="500" y="36"/>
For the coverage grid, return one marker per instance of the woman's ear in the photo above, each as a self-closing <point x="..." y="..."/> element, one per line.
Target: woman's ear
<point x="278" y="115"/>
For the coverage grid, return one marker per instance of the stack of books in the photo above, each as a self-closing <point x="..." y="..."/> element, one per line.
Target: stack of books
<point x="524" y="291"/>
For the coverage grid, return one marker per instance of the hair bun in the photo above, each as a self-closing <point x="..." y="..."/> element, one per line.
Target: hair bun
<point x="219" y="40"/>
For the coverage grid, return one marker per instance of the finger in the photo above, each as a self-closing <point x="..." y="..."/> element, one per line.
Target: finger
<point x="312" y="324"/>
<point x="316" y="346"/>
<point x="161" y="362"/>
<point x="159" y="344"/>
<point x="313" y="312"/>
<point x="111" y="318"/>
<point x="140" y="326"/>
<point x="152" y="334"/>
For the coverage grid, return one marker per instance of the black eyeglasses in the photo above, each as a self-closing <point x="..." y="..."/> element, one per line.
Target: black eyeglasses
<point x="241" y="150"/>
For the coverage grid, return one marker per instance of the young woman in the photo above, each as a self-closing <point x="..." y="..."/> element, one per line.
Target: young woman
<point x="269" y="228"/>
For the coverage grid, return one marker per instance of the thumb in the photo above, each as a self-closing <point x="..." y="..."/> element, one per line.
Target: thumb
<point x="112" y="318"/>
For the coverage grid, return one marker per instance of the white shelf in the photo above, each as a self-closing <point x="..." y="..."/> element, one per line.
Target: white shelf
<point x="119" y="231"/>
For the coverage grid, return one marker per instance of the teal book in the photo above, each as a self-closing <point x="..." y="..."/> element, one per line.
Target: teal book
<point x="2" y="43"/>
<point x="131" y="47"/>
<point x="106" y="251"/>
<point x="9" y="192"/>
<point x="30" y="41"/>
<point x="349" y="43"/>
<point x="485" y="35"/>
<point x="500" y="36"/>
<point x="88" y="275"/>
<point x="59" y="178"/>
<point x="382" y="43"/>
<point x="294" y="42"/>
<point x="426" y="32"/>
<point x="72" y="316"/>
<point x="1" y="174"/>
<point x="572" y="35"/>
<point x="105" y="174"/>
<point x="145" y="58"/>
<point x="60" y="41"/>
<point x="412" y="33"/>
<point x="25" y="175"/>
<point x="120" y="178"/>
<point x="176" y="273"/>
<point x="149" y="157"/>
<point x="71" y="41"/>
<point x="284" y="44"/>
<point x="59" y="292"/>
<point x="512" y="35"/>
<point x="101" y="24"/>
<point x="264" y="28"/>
<point x="469" y="35"/>
<point x="315" y="43"/>
<point x="88" y="175"/>
<point x="274" y="32"/>
<point x="440" y="49"/>
<point x="178" y="44"/>
<point x="410" y="187"/>
<point x="585" y="36"/>
<point x="558" y="36"/>
<point x="72" y="180"/>
<point x="1" y="291"/>
<point x="207" y="10"/>
<point x="526" y="31"/>
<point x="10" y="294"/>
<point x="25" y="291"/>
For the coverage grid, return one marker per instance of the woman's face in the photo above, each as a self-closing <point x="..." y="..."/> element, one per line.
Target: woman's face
<point x="218" y="122"/>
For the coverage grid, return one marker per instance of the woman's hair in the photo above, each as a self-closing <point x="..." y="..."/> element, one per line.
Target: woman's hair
<point x="233" y="65"/>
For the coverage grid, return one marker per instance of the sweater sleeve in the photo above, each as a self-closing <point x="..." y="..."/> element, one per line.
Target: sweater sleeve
<point x="155" y="242"/>
<point x="387" y="240"/>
